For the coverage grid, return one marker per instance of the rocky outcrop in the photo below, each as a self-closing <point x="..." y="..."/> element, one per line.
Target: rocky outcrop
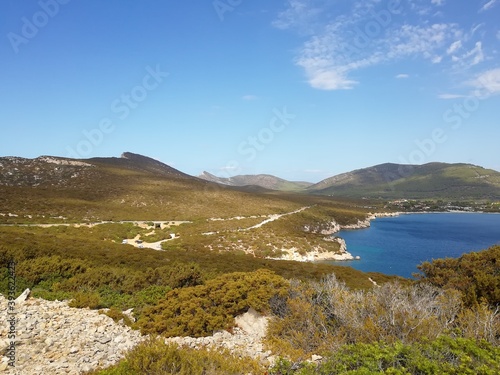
<point x="52" y="338"/>
<point x="367" y="222"/>
<point x="332" y="227"/>
<point x="326" y="228"/>
<point x="245" y="339"/>
<point x="317" y="253"/>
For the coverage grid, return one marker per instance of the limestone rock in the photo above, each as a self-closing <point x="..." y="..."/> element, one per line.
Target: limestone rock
<point x="52" y="338"/>
<point x="23" y="297"/>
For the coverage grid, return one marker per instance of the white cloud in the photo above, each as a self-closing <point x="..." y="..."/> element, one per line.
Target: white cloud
<point x="490" y="4"/>
<point x="455" y="46"/>
<point x="418" y="40"/>
<point x="402" y="76"/>
<point x="300" y="14"/>
<point x="329" y="79"/>
<point x="486" y="83"/>
<point x="470" y="58"/>
<point x="436" y="59"/>
<point x="476" y="28"/>
<point x="331" y="57"/>
<point x="363" y="33"/>
<point x="451" y="96"/>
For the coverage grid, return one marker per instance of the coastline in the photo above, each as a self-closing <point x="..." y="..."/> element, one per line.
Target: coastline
<point x="333" y="227"/>
<point x="366" y="223"/>
<point x="398" y="245"/>
<point x="316" y="254"/>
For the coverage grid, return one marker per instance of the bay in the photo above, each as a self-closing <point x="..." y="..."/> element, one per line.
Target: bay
<point x="396" y="245"/>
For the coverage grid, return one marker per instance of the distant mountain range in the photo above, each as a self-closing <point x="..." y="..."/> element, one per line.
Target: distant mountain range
<point x="98" y="187"/>
<point x="389" y="181"/>
<point x="432" y="180"/>
<point x="263" y="180"/>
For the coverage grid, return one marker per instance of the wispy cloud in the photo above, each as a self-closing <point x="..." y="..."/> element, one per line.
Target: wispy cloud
<point x="454" y="47"/>
<point x="486" y="83"/>
<point x="300" y="14"/>
<point x="451" y="96"/>
<point x="345" y="38"/>
<point x="471" y="57"/>
<point x="330" y="58"/>
<point x="402" y="76"/>
<point x="490" y="4"/>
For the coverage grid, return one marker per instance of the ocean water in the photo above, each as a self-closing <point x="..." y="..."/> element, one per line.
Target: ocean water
<point x="396" y="245"/>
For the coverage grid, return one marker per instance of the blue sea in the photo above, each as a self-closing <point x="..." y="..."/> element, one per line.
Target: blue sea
<point x="396" y="245"/>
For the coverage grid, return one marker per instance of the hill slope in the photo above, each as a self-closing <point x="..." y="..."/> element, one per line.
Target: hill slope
<point x="263" y="180"/>
<point x="132" y="187"/>
<point x="432" y="180"/>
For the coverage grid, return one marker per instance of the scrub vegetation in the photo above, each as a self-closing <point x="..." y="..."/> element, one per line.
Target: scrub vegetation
<point x="216" y="266"/>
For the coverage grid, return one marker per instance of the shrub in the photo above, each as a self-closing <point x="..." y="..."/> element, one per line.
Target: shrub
<point x="480" y="323"/>
<point x="150" y="295"/>
<point x="117" y="315"/>
<point x="85" y="299"/>
<point x="476" y="275"/>
<point x="320" y="317"/>
<point x="200" y="310"/>
<point x="156" y="357"/>
<point x="177" y="275"/>
<point x="443" y="355"/>
<point x="49" y="268"/>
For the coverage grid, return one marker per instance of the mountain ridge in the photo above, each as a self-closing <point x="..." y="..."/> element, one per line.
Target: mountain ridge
<point x="266" y="181"/>
<point x="430" y="180"/>
<point x="134" y="172"/>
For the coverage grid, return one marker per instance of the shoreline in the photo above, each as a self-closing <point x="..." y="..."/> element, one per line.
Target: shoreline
<point x="366" y="223"/>
<point x="333" y="227"/>
<point x="317" y="255"/>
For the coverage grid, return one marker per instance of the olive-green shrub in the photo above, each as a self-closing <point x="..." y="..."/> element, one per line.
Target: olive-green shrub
<point x="200" y="310"/>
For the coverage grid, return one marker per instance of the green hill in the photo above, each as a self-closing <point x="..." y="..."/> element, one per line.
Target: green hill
<point x="132" y="187"/>
<point x="137" y="188"/>
<point x="432" y="180"/>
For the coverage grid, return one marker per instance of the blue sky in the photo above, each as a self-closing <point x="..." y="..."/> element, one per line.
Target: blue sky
<point x="302" y="89"/>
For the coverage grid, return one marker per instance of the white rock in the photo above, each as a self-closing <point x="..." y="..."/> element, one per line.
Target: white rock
<point x="23" y="297"/>
<point x="252" y="323"/>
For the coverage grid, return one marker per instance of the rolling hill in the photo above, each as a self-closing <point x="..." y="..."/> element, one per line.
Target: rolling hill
<point x="263" y="180"/>
<point x="135" y="188"/>
<point x="432" y="180"/>
<point x="131" y="187"/>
